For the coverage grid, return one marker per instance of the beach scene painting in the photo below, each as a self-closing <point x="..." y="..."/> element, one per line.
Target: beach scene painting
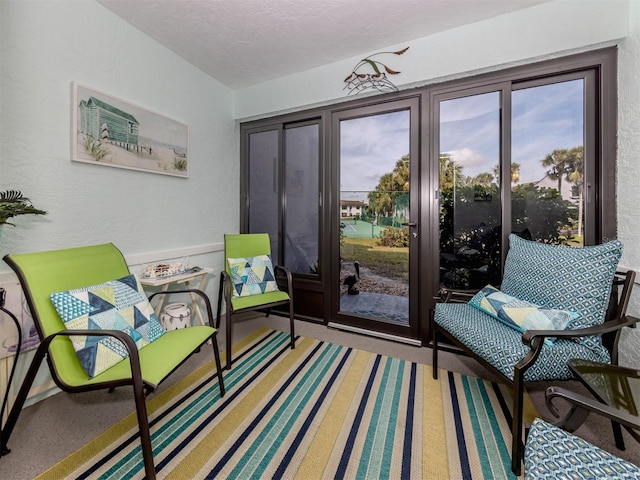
<point x="112" y="132"/>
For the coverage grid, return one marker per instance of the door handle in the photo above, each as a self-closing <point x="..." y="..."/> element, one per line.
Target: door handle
<point x="409" y="224"/>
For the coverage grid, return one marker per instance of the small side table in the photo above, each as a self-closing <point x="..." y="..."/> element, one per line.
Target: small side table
<point x="617" y="387"/>
<point x="166" y="282"/>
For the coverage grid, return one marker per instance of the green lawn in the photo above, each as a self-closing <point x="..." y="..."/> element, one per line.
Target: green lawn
<point x="385" y="261"/>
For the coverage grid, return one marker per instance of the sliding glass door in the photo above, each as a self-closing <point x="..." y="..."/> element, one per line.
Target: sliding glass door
<point x="376" y="227"/>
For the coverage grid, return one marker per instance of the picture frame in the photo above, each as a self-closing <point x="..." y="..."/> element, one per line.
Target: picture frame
<point x="112" y="132"/>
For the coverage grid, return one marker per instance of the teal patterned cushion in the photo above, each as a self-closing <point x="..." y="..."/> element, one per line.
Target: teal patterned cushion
<point x="566" y="278"/>
<point x="551" y="453"/>
<point x="116" y="305"/>
<point x="502" y="346"/>
<point x="520" y="314"/>
<point x="252" y="276"/>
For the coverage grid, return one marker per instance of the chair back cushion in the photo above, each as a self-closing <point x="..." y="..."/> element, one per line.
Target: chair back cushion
<point x="245" y="245"/>
<point x="562" y="277"/>
<point x="42" y="273"/>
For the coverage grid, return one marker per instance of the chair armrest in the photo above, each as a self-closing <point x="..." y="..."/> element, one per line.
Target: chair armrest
<point x="287" y="273"/>
<point x="451" y="295"/>
<point x="580" y="401"/>
<point x="129" y="343"/>
<point x="200" y="293"/>
<point x="530" y="336"/>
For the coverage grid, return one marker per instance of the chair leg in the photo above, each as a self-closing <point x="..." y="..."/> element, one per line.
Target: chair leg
<point x="216" y="355"/>
<point x="291" y="326"/>
<point x="228" y="337"/>
<point x="617" y="435"/>
<point x="21" y="397"/>
<point x="517" y="449"/>
<point x="145" y="435"/>
<point x="434" y="360"/>
<point x="220" y="295"/>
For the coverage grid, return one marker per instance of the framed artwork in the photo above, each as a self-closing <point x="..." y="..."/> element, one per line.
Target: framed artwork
<point x="112" y="132"/>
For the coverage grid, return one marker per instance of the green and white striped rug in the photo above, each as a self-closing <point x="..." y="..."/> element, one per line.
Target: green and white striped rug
<point x="321" y="411"/>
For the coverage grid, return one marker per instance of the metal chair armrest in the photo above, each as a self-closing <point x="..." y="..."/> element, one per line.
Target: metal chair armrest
<point x="287" y="273"/>
<point x="530" y="336"/>
<point x="451" y="295"/>
<point x="580" y="401"/>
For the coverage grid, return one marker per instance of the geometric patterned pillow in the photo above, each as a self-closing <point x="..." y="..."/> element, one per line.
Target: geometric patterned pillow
<point x="577" y="279"/>
<point x="252" y="276"/>
<point x="520" y="314"/>
<point x="115" y="305"/>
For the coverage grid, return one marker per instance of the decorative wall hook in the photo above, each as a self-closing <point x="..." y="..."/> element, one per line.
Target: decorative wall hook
<point x="361" y="80"/>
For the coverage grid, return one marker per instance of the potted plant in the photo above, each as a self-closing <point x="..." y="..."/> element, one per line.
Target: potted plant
<point x="13" y="203"/>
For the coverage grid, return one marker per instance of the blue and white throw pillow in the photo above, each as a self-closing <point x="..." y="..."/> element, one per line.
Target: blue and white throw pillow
<point x="116" y="305"/>
<point x="520" y="314"/>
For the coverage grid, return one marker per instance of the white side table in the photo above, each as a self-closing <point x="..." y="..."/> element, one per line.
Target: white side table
<point x="166" y="282"/>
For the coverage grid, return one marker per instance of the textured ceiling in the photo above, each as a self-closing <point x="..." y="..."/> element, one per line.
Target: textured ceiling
<point x="245" y="42"/>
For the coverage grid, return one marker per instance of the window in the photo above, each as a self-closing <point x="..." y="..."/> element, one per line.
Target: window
<point x="282" y="191"/>
<point x="519" y="156"/>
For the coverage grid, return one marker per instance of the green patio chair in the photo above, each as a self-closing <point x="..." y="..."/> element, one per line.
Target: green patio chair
<point x="249" y="281"/>
<point x="44" y="273"/>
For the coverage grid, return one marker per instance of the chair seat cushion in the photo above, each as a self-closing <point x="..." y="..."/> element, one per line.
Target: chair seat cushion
<point x="553" y="453"/>
<point x="502" y="347"/>
<point x="239" y="303"/>
<point x="160" y="358"/>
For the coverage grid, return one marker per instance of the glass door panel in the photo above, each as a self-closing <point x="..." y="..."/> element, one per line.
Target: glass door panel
<point x="301" y="188"/>
<point x="469" y="186"/>
<point x="375" y="221"/>
<point x="263" y="191"/>
<point x="547" y="198"/>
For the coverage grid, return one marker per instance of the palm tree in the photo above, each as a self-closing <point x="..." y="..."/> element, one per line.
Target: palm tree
<point x="450" y="172"/>
<point x="515" y="172"/>
<point x="568" y="164"/>
<point x="575" y="175"/>
<point x="484" y="179"/>
<point x="561" y="162"/>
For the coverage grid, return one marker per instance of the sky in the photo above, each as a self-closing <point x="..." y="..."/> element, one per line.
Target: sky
<point x="369" y="148"/>
<point x="543" y="119"/>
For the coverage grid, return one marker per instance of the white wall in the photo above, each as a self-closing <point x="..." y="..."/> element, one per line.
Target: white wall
<point x="537" y="33"/>
<point x="629" y="170"/>
<point x="48" y="44"/>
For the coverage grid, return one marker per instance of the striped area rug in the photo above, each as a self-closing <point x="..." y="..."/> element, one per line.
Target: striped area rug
<point x="321" y="411"/>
